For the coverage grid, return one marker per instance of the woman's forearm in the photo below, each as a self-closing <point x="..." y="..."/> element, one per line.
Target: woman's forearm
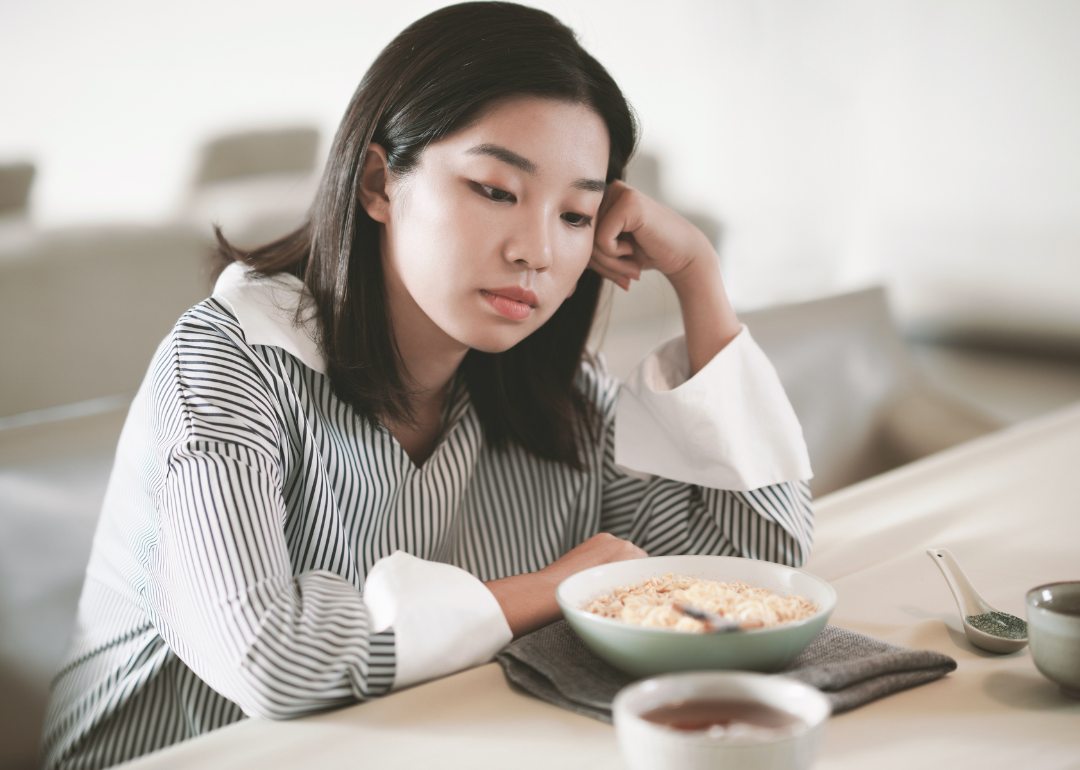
<point x="636" y="233"/>
<point x="709" y="320"/>
<point x="528" y="601"/>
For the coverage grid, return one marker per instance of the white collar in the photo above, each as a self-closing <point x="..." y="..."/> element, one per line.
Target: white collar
<point x="266" y="309"/>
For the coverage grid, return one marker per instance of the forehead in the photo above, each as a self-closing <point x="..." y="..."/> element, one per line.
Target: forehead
<point x="558" y="137"/>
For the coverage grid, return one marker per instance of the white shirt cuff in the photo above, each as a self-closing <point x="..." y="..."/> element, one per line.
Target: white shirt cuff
<point x="444" y="619"/>
<point x="730" y="426"/>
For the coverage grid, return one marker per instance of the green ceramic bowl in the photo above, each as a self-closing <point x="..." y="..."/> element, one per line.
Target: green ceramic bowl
<point x="647" y="651"/>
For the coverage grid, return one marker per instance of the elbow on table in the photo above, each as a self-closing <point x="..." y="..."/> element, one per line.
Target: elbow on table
<point x="264" y="694"/>
<point x="263" y="701"/>
<point x="259" y="700"/>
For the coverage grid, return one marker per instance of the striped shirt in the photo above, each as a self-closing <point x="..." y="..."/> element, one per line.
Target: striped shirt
<point x="248" y="505"/>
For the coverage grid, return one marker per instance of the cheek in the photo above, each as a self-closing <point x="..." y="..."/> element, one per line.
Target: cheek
<point x="435" y="233"/>
<point x="576" y="251"/>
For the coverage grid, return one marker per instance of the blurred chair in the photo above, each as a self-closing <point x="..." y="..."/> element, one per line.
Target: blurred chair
<point x="15" y="182"/>
<point x="257" y="185"/>
<point x="864" y="406"/>
<point x="16" y="225"/>
<point x="82" y="310"/>
<point x="81" y="313"/>
<point x="255" y="153"/>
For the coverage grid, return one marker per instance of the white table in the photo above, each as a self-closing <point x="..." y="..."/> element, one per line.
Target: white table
<point x="1007" y="505"/>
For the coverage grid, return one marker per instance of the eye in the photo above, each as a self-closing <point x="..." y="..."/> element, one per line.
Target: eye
<point x="501" y="196"/>
<point x="577" y="220"/>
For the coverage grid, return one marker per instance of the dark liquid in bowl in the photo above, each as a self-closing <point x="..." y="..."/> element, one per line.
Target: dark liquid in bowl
<point x="703" y="714"/>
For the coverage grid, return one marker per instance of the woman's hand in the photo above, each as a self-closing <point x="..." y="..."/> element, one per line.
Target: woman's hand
<point x="636" y="233"/>
<point x="528" y="601"/>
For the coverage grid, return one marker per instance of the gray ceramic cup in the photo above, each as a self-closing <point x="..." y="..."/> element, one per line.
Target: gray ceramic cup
<point x="1053" y="615"/>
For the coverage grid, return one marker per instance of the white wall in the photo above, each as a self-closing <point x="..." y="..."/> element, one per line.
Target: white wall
<point x="839" y="141"/>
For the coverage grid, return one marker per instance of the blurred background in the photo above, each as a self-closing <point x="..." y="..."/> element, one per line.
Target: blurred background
<point x="893" y="188"/>
<point x="928" y="143"/>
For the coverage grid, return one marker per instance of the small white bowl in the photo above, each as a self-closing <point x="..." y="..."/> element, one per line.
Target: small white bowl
<point x="649" y="746"/>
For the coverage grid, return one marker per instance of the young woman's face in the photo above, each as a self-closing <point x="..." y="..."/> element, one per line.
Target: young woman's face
<point x="489" y="234"/>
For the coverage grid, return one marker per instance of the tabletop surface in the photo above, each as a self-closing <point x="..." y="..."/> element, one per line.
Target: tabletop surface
<point x="1007" y="505"/>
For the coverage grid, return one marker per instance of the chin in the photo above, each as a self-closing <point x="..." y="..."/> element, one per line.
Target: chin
<point x="496" y="340"/>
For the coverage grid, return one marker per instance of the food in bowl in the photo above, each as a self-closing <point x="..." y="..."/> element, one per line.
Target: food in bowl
<point x="645" y="651"/>
<point x="652" y="603"/>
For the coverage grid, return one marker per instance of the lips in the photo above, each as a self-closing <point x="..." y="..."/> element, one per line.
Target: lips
<point x="511" y="302"/>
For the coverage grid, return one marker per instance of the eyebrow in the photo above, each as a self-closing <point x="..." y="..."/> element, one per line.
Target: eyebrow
<point x="518" y="161"/>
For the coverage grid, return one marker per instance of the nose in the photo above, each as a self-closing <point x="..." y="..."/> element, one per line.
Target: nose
<point x="530" y="244"/>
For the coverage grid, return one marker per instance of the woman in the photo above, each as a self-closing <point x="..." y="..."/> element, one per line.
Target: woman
<point x="370" y="456"/>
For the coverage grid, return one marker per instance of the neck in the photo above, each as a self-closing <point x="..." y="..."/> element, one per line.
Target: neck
<point x="430" y="358"/>
<point x="428" y="355"/>
<point x="430" y="374"/>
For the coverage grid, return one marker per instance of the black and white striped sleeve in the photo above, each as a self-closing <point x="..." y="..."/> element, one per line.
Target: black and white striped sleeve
<point x="221" y="589"/>
<point x="717" y="461"/>
<point x="774" y="523"/>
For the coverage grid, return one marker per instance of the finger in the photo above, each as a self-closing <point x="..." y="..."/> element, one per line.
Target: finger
<point x="633" y="552"/>
<point x="618" y="269"/>
<point x="614" y="248"/>
<point x="624" y="216"/>
<point x="628" y="267"/>
<point x="608" y="224"/>
<point x="622" y="266"/>
<point x="612" y="276"/>
<point x="629" y="263"/>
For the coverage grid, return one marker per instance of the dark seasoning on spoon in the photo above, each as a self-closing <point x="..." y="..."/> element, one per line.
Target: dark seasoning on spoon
<point x="999" y="624"/>
<point x="985" y="626"/>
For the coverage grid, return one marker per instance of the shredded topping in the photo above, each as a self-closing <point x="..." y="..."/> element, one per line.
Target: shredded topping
<point x="651" y="604"/>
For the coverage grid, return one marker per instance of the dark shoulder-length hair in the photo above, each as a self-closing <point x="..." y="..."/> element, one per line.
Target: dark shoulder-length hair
<point x="435" y="78"/>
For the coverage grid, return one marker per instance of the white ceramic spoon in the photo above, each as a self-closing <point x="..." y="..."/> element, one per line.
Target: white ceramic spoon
<point x="971" y="604"/>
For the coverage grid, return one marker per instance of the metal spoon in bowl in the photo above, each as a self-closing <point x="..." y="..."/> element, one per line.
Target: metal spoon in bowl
<point x="714" y="624"/>
<point x="984" y="626"/>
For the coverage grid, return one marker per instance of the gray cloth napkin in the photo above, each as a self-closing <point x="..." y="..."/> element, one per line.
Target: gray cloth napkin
<point x="850" y="669"/>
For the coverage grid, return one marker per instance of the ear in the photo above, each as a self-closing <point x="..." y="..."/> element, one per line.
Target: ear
<point x="374" y="180"/>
